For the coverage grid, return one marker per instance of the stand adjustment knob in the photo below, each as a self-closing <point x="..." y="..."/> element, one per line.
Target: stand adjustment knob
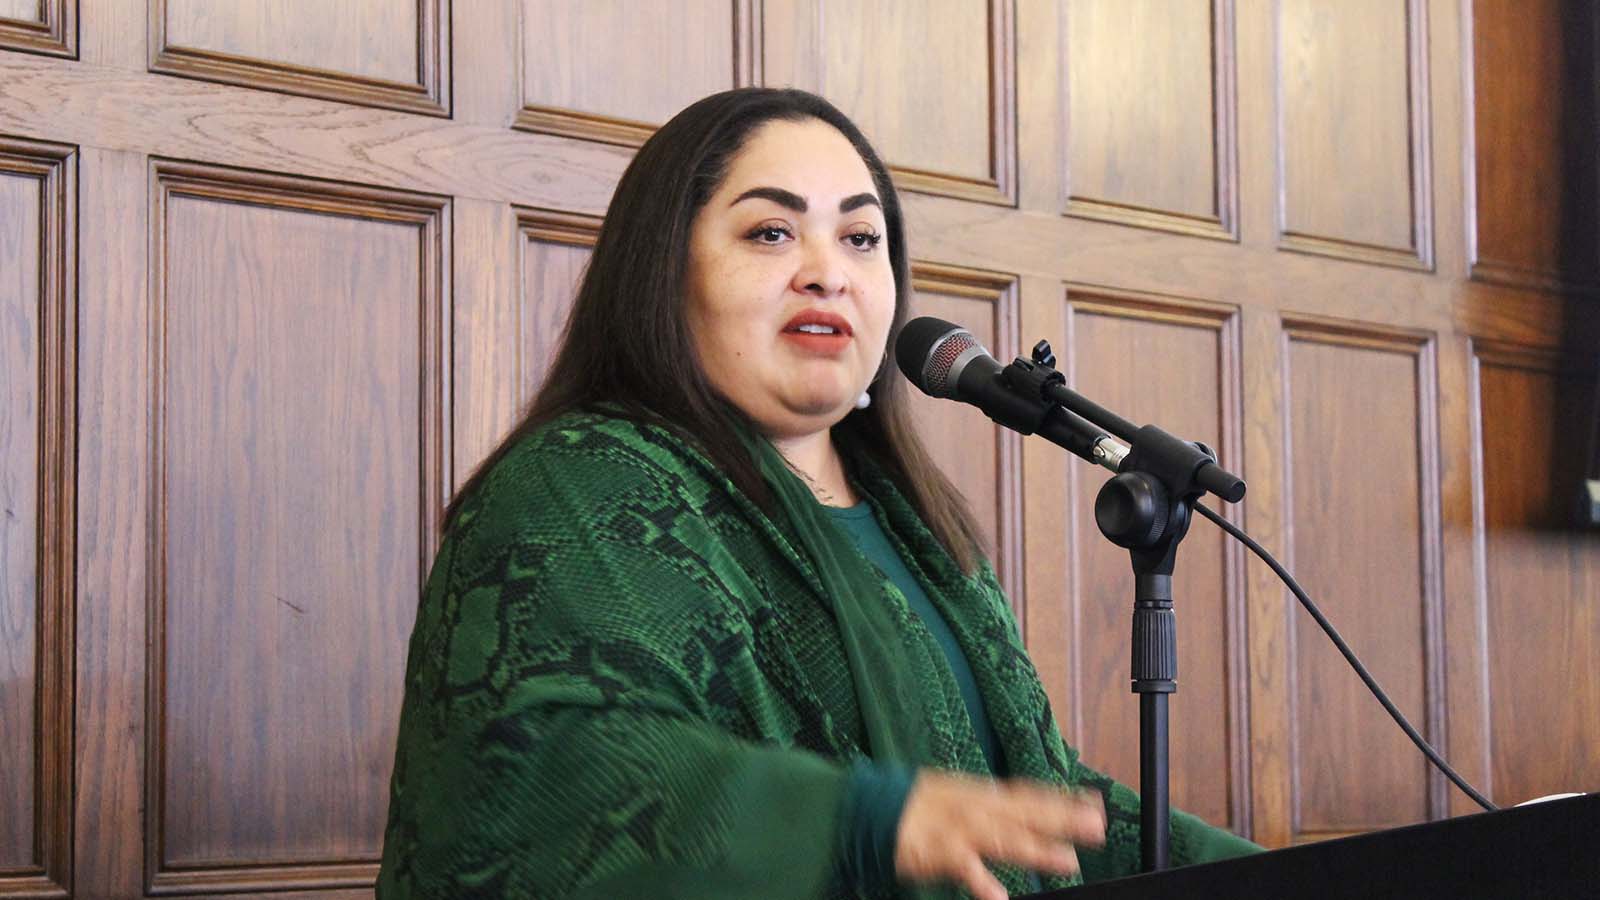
<point x="1132" y="510"/>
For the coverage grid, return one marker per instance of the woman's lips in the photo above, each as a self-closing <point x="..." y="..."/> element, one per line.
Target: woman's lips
<point x="827" y="344"/>
<point x="818" y="331"/>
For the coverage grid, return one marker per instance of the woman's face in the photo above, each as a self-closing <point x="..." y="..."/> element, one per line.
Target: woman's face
<point x="790" y="290"/>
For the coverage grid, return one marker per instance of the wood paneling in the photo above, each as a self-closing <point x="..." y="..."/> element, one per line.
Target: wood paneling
<point x="1540" y="572"/>
<point x="596" y="70"/>
<point x="983" y="459"/>
<point x="299" y="475"/>
<point x="38" y="382"/>
<point x="113" y="524"/>
<point x="1535" y="206"/>
<point x="32" y="11"/>
<point x="935" y="93"/>
<point x="1359" y="125"/>
<point x="555" y="250"/>
<point x="1174" y="362"/>
<point x="40" y="26"/>
<point x="21" y="465"/>
<point x="1361" y="447"/>
<point x="1150" y="111"/>
<point x="1353" y="130"/>
<point x="107" y="107"/>
<point x="390" y="53"/>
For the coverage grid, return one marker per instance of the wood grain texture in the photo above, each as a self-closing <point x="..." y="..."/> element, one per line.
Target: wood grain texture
<point x="1534" y="205"/>
<point x="1172" y="361"/>
<point x="287" y="378"/>
<point x="594" y="70"/>
<point x="113" y="525"/>
<point x="388" y="53"/>
<point x="486" y="305"/>
<point x="1354" y="130"/>
<point x="1269" y="610"/>
<point x="1352" y="769"/>
<point x="1150" y="113"/>
<point x="107" y="107"/>
<point x="945" y="129"/>
<point x="31" y="11"/>
<point x="555" y="250"/>
<point x="21" y="466"/>
<point x="38" y="477"/>
<point x="1540" y="572"/>
<point x="40" y="26"/>
<point x="982" y="459"/>
<point x="371" y="38"/>
<point x="115" y="34"/>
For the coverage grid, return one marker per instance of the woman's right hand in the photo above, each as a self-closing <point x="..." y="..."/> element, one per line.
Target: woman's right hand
<point x="951" y="823"/>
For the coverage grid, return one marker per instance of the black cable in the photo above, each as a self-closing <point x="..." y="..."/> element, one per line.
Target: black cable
<point x="1333" y="633"/>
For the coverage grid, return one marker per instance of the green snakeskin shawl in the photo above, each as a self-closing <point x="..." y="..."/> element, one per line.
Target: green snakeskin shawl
<point x="623" y="682"/>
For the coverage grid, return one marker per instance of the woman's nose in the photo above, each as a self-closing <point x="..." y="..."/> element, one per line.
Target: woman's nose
<point x="821" y="271"/>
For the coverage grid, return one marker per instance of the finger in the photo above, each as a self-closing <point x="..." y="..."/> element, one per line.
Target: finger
<point x="979" y="881"/>
<point x="1060" y="813"/>
<point x="1033" y="852"/>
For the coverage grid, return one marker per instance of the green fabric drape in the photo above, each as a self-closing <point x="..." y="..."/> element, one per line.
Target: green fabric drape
<point x="626" y="680"/>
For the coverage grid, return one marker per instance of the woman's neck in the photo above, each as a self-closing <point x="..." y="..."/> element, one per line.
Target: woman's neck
<point x="815" y="459"/>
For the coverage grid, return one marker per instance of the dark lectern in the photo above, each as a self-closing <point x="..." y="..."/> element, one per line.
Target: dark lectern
<point x="1549" y="849"/>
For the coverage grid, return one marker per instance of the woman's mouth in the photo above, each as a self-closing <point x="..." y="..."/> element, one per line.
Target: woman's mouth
<point x="818" y="332"/>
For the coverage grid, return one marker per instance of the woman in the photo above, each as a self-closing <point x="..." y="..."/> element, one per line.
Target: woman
<point x="709" y="623"/>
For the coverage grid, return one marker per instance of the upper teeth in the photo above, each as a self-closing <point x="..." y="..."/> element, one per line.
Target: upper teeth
<point x="816" y="329"/>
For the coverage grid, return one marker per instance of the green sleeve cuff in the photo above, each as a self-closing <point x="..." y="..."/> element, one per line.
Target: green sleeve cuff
<point x="874" y="796"/>
<point x="1195" y="841"/>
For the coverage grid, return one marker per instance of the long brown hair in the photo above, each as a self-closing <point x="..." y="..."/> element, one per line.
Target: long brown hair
<point x="627" y="341"/>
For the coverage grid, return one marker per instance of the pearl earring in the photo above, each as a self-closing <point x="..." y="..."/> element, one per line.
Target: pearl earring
<point x="863" y="401"/>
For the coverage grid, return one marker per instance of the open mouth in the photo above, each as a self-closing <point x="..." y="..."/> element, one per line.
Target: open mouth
<point x="818" y="332"/>
<point x="818" y="322"/>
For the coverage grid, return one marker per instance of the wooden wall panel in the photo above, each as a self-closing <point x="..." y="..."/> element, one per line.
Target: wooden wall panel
<point x="30" y="11"/>
<point x="390" y="53"/>
<point x="1174" y="362"/>
<point x="299" y="437"/>
<point x="1534" y="205"/>
<point x="37" y="472"/>
<point x="1541" y="573"/>
<point x="1353" y="129"/>
<point x="596" y="70"/>
<point x="1362" y="456"/>
<point x="1359" y="127"/>
<point x="21" y="465"/>
<point x="983" y="459"/>
<point x="555" y="250"/>
<point x="40" y="26"/>
<point x="936" y="94"/>
<point x="1150" y="111"/>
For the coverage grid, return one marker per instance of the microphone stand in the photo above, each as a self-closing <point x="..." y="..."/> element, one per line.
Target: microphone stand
<point x="1146" y="508"/>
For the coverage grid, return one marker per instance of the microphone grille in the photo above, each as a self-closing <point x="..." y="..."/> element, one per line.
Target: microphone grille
<point x="937" y="374"/>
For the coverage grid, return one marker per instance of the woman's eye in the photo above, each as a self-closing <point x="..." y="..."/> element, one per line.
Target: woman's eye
<point x="768" y="234"/>
<point x="863" y="240"/>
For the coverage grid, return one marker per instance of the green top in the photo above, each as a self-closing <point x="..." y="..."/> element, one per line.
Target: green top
<point x="877" y="792"/>
<point x="626" y="679"/>
<point x="859" y="522"/>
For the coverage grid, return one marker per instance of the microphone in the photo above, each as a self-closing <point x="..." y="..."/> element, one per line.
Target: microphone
<point x="936" y="355"/>
<point x="946" y="361"/>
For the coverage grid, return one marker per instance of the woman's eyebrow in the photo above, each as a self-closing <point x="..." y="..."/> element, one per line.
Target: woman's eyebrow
<point x="857" y="201"/>
<point x="793" y="201"/>
<point x="786" y="199"/>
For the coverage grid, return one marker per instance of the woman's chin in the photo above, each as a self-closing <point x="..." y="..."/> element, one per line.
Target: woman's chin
<point x="798" y="416"/>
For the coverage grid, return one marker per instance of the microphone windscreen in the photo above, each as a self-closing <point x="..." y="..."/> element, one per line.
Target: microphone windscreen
<point x="926" y="349"/>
